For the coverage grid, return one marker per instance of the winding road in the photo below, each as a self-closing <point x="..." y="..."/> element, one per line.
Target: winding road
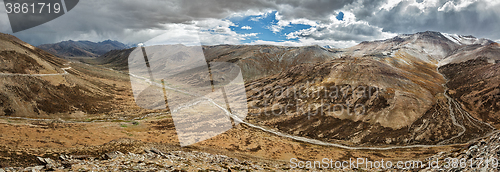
<point x="49" y="74"/>
<point x="453" y="119"/>
<point x="451" y="102"/>
<point x="465" y="115"/>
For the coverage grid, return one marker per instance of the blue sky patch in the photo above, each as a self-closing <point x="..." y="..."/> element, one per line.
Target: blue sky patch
<point x="262" y="24"/>
<point x="340" y="16"/>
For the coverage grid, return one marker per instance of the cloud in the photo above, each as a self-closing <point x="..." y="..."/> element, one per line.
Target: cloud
<point x="345" y="30"/>
<point x="451" y="6"/>
<point x="131" y="21"/>
<point x="119" y="19"/>
<point x="250" y="34"/>
<point x="310" y="9"/>
<point x="282" y="23"/>
<point x="307" y="42"/>
<point x="116" y="19"/>
<point x="217" y="31"/>
<point x="246" y="27"/>
<point x="478" y="18"/>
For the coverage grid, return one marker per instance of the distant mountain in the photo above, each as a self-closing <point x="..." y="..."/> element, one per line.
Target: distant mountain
<point x="427" y="46"/>
<point x="82" y="48"/>
<point x="116" y="59"/>
<point x="256" y="61"/>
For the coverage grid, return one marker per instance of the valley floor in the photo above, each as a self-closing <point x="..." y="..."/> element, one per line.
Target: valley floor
<point x="24" y="141"/>
<point x="128" y="142"/>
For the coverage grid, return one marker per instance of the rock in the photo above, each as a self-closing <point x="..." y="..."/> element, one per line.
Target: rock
<point x="151" y="159"/>
<point x="147" y="151"/>
<point x="156" y="151"/>
<point x="37" y="168"/>
<point x="112" y="155"/>
<point x="49" y="163"/>
<point x="64" y="157"/>
<point x="81" y="157"/>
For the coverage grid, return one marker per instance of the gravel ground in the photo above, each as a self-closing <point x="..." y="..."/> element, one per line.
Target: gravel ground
<point x="151" y="160"/>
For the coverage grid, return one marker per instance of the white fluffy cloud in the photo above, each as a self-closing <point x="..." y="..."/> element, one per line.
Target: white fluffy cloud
<point x="307" y="42"/>
<point x="282" y="23"/>
<point x="246" y="27"/>
<point x="334" y="32"/>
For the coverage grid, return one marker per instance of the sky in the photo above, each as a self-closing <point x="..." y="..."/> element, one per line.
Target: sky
<point x="340" y="23"/>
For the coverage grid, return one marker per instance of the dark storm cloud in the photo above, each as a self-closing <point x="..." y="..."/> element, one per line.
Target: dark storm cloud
<point x="356" y="31"/>
<point x="480" y="19"/>
<point x="364" y="9"/>
<point x="313" y="9"/>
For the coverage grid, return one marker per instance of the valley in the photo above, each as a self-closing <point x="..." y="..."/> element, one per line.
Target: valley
<point x="415" y="103"/>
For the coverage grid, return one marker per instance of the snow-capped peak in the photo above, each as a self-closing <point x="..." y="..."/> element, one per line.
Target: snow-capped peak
<point x="328" y="46"/>
<point x="464" y="40"/>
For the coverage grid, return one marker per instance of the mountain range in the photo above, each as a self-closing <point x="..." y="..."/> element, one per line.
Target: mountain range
<point x="405" y="94"/>
<point x="423" y="88"/>
<point x="418" y="78"/>
<point x="431" y="88"/>
<point x="82" y="48"/>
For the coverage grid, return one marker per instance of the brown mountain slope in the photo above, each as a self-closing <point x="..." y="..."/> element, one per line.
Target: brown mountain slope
<point x="34" y="83"/>
<point x="410" y="106"/>
<point x="22" y="58"/>
<point x="476" y="84"/>
<point x="490" y="52"/>
<point x="115" y="59"/>
<point x="403" y="111"/>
